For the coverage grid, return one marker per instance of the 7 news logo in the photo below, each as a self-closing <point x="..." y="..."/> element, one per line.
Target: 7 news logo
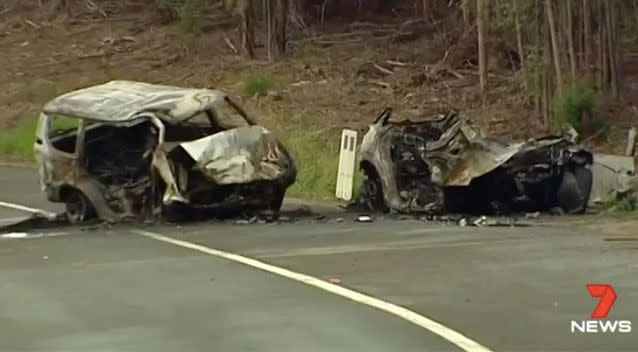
<point x="607" y="297"/>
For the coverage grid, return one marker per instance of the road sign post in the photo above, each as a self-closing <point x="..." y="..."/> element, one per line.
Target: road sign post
<point x="347" y="160"/>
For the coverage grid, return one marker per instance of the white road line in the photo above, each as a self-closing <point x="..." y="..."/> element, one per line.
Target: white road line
<point x="23" y="208"/>
<point x="28" y="236"/>
<point x="456" y="338"/>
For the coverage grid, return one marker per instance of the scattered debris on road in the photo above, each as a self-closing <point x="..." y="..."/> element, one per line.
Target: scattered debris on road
<point x="446" y="165"/>
<point x="37" y="221"/>
<point x="480" y="221"/>
<point x="364" y="218"/>
<point x="533" y="215"/>
<point x="134" y="150"/>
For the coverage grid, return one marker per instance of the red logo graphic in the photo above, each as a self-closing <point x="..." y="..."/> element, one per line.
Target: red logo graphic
<point x="607" y="298"/>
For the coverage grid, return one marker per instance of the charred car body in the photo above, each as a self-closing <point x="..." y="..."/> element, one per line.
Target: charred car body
<point x="447" y="165"/>
<point x="129" y="149"/>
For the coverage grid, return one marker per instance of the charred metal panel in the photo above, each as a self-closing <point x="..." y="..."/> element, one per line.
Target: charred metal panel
<point x="610" y="174"/>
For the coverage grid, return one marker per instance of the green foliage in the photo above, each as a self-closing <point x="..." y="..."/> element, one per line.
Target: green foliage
<point x="257" y="84"/>
<point x="507" y="10"/>
<point x="316" y="151"/>
<point x="188" y="12"/>
<point x="317" y="161"/>
<point x="62" y="124"/>
<point x="621" y="204"/>
<point x="601" y="126"/>
<point x="17" y="142"/>
<point x="579" y="98"/>
<point x="626" y="204"/>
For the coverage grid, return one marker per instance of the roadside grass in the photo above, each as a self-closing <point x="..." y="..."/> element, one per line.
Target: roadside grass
<point x="315" y="152"/>
<point x="625" y="204"/>
<point x="17" y="142"/>
<point x="258" y="84"/>
<point x="317" y="161"/>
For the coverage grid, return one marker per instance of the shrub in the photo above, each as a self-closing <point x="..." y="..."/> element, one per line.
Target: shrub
<point x="576" y="100"/>
<point x="257" y="84"/>
<point x="186" y="10"/>
<point x="17" y="142"/>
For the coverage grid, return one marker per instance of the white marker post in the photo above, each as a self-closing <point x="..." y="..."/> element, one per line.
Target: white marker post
<point x="347" y="160"/>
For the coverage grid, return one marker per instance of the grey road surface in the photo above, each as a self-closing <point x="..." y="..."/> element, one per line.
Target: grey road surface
<point x="108" y="289"/>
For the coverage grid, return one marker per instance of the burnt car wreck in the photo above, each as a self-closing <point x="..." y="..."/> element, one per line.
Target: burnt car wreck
<point x="446" y="165"/>
<point x="135" y="150"/>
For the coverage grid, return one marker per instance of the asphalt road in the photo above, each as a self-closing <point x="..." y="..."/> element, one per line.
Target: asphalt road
<point x="110" y="289"/>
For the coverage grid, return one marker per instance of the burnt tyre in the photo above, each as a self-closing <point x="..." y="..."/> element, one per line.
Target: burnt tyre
<point x="175" y="212"/>
<point x="574" y="190"/>
<point x="78" y="207"/>
<point x="371" y="193"/>
<point x="277" y="202"/>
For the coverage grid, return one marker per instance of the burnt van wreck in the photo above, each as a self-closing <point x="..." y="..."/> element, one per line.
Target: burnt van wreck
<point x="446" y="165"/>
<point x="135" y="150"/>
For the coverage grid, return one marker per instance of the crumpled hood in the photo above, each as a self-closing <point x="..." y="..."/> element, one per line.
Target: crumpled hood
<point x="236" y="156"/>
<point x="463" y="154"/>
<point x="240" y="155"/>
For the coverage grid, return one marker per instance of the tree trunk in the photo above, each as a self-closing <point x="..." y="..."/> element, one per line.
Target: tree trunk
<point x="580" y="46"/>
<point x="618" y="50"/>
<point x="465" y="9"/>
<point x="424" y="8"/>
<point x="630" y="148"/>
<point x="611" y="48"/>
<point x="279" y="15"/>
<point x="547" y="76"/>
<point x="545" y="99"/>
<point x="519" y="39"/>
<point x="602" y="50"/>
<point x="570" y="40"/>
<point x="63" y="6"/>
<point x="555" y="47"/>
<point x="247" y="28"/>
<point x="587" y="45"/>
<point x="538" y="76"/>
<point x="482" y="51"/>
